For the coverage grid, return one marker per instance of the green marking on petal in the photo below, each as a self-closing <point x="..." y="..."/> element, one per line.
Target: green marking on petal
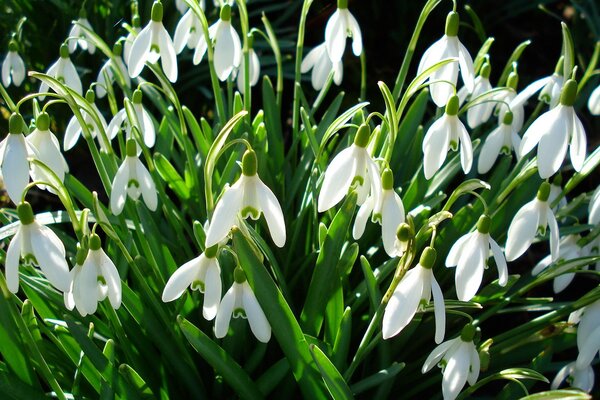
<point x="251" y="212"/>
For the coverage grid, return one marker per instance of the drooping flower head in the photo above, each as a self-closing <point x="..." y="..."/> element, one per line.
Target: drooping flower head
<point x="146" y="126"/>
<point x="188" y="31"/>
<point x="95" y="126"/>
<point x="532" y="218"/>
<point x="415" y="288"/>
<point x="553" y="131"/>
<point x="448" y="47"/>
<point x="14" y="167"/>
<point x="352" y="165"/>
<point x="253" y="68"/>
<point x="480" y="113"/>
<point x="341" y="25"/>
<point x="38" y="245"/>
<point x="240" y="301"/>
<point x="318" y="60"/>
<point x="459" y="361"/>
<point x="151" y="44"/>
<point x="136" y="28"/>
<point x="248" y="197"/>
<point x="13" y="67"/>
<point x="79" y="37"/>
<point x="444" y="134"/>
<point x="64" y="71"/>
<point x="470" y="254"/>
<point x="568" y="249"/>
<point x="504" y="139"/>
<point x="111" y="67"/>
<point x="203" y="273"/>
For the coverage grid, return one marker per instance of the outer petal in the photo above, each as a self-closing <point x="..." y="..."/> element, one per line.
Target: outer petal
<point x="15" y="167"/>
<point x="113" y="281"/>
<point x="52" y="72"/>
<point x="182" y="31"/>
<point x="540" y="127"/>
<point x="335" y="36"/>
<point x="147" y="128"/>
<point x="72" y="134"/>
<point x="490" y="150"/>
<point x="50" y="255"/>
<point x="312" y="58"/>
<point x="71" y="77"/>
<point x="594" y="102"/>
<point x="435" y="146"/>
<point x="529" y="91"/>
<point x="224" y="51"/>
<point x="357" y="45"/>
<point x="212" y="292"/>
<point x="6" y="70"/>
<point x="139" y="52"/>
<point x="578" y="144"/>
<point x="456" y="372"/>
<point x="224" y="313"/>
<point x="500" y="262"/>
<point x="589" y="349"/>
<point x="403" y="305"/>
<point x="12" y="262"/>
<point x="256" y="317"/>
<point x="475" y="366"/>
<point x="456" y="250"/>
<point x="181" y="279"/>
<point x="554" y="239"/>
<point x="115" y="124"/>
<point x="466" y="147"/>
<point x="167" y="54"/>
<point x="553" y="146"/>
<point x="392" y="215"/>
<point x="432" y="55"/>
<point x="361" y="218"/>
<point x="469" y="271"/>
<point x="441" y="91"/>
<point x="225" y="215"/>
<point x="438" y="353"/>
<point x="561" y="375"/>
<point x="147" y="186"/>
<point x="466" y="67"/>
<point x="522" y="230"/>
<point x="338" y="177"/>
<point x="18" y="72"/>
<point x="85" y="287"/>
<point x="273" y="213"/>
<point x="118" y="192"/>
<point x="439" y="310"/>
<point x="561" y="282"/>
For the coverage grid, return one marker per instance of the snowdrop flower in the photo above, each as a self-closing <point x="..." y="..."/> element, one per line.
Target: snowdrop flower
<point x="532" y="218"/>
<point x="96" y="127"/>
<point x="93" y="281"/>
<point x="64" y="71"/>
<point x="135" y="31"/>
<point x="321" y="65"/>
<point x="459" y="361"/>
<point x="593" y="102"/>
<point x="13" y="68"/>
<point x="588" y="334"/>
<point x="352" y="165"/>
<point x="389" y="212"/>
<point x="342" y="24"/>
<point x="146" y="127"/>
<point x="182" y="6"/>
<point x="47" y="150"/>
<point x="78" y="35"/>
<point x="151" y="44"/>
<point x="253" y="69"/>
<point x="578" y="378"/>
<point x="470" y="254"/>
<point x="14" y="167"/>
<point x="509" y="101"/>
<point x="132" y="179"/>
<point x="240" y="301"/>
<point x="594" y="208"/>
<point x="551" y="91"/>
<point x="228" y="48"/>
<point x="248" y="197"/>
<point x="36" y="244"/>
<point x="203" y="273"/>
<point x="416" y="287"/>
<point x="504" y="139"/>
<point x="480" y="113"/>
<point x="107" y="76"/>
<point x="448" y="47"/>
<point x="188" y="31"/>
<point x="556" y="192"/>
<point x="568" y="249"/>
<point x="553" y="130"/>
<point x="446" y="132"/>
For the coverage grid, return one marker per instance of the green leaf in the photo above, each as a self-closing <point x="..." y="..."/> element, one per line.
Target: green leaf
<point x="337" y="125"/>
<point x="273" y="124"/>
<point x="464" y="188"/>
<point x="337" y="386"/>
<point x="378" y="378"/>
<point x="481" y="55"/>
<point x="171" y="176"/>
<point x="512" y="59"/>
<point x="562" y="394"/>
<point x="478" y="26"/>
<point x="135" y="381"/>
<point x="568" y="51"/>
<point x="220" y="360"/>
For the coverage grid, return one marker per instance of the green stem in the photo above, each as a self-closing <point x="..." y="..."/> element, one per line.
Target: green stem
<point x="299" y="49"/>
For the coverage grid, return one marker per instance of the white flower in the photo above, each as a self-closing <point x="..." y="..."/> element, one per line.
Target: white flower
<point x="470" y="254"/>
<point x="555" y="192"/>
<point x="594" y="208"/>
<point x="551" y="91"/>
<point x="459" y="361"/>
<point x="248" y="197"/>
<point x="480" y="113"/>
<point x="509" y="101"/>
<point x="253" y="71"/>
<point x="588" y="335"/>
<point x="133" y="33"/>
<point x="74" y="129"/>
<point x="594" y="101"/>
<point x="342" y="24"/>
<point x="503" y="139"/>
<point x="188" y="32"/>
<point x="532" y="218"/>
<point x="106" y="76"/>
<point x="47" y="150"/>
<point x="146" y="127"/>
<point x="36" y="244"/>
<point x="553" y="130"/>
<point x="14" y="167"/>
<point x="446" y="133"/>
<point x="151" y="44"/>
<point x="568" y="249"/>
<point x="228" y="48"/>
<point x="79" y="37"/>
<point x="132" y="179"/>
<point x="182" y="6"/>
<point x="321" y="65"/>
<point x="64" y="71"/>
<point x="416" y="287"/>
<point x="203" y="273"/>
<point x="13" y="68"/>
<point x="351" y="165"/>
<point x="240" y="301"/>
<point x="578" y="378"/>
<point x="94" y="280"/>
<point x="389" y="212"/>
<point x="448" y="47"/>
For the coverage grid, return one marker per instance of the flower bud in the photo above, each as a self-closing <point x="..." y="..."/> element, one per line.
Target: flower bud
<point x="467" y="333"/>
<point x="249" y="163"/>
<point x="362" y="136"/>
<point x="428" y="257"/>
<point x="211" y="252"/>
<point x="513" y="80"/>
<point x="238" y="275"/>
<point x="12" y="46"/>
<point x="484" y="223"/>
<point x="452" y="105"/>
<point x="90" y="96"/>
<point x="157" y="11"/>
<point x="64" y="51"/>
<point x="387" y="179"/>
<point x="486" y="70"/>
<point x="508" y="118"/>
<point x="137" y="23"/>
<point x="543" y="192"/>
<point x="95" y="242"/>
<point x="16" y="125"/>
<point x="137" y="96"/>
<point x="452" y="22"/>
<point x="118" y="49"/>
<point x="225" y="12"/>
<point x="25" y="213"/>
<point x="42" y="121"/>
<point x="404" y="232"/>
<point x="569" y="93"/>
<point x="131" y="148"/>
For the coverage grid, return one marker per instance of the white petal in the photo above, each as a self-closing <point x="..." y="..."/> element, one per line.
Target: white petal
<point x="224" y="216"/>
<point x="272" y="210"/>
<point x="522" y="230"/>
<point x="111" y="276"/>
<point x="167" y="54"/>
<point x="469" y="271"/>
<point x="529" y="91"/>
<point x="85" y="286"/>
<point x="147" y="127"/>
<point x="6" y="70"/>
<point x="118" y="192"/>
<point x="456" y="250"/>
<point x="320" y="72"/>
<point x="361" y="218"/>
<point x="256" y="317"/>
<point x="392" y="215"/>
<point x="432" y="55"/>
<point x="474" y="367"/>
<point x="182" y="31"/>
<point x="589" y="349"/>
<point x="212" y="291"/>
<point x="594" y="102"/>
<point x="335" y="36"/>
<point x="71" y="77"/>
<point x="18" y="72"/>
<point x="466" y="147"/>
<point x="466" y="67"/>
<point x="539" y="128"/>
<point x="50" y="255"/>
<point x="72" y="134"/>
<point x="13" y="254"/>
<point x="356" y="34"/>
<point x="139" y="52"/>
<point x="403" y="305"/>
<point x="52" y="72"/>
<point x="584" y="379"/>
<point x="552" y="148"/>
<point x="435" y="146"/>
<point x="201" y="48"/>
<point x="439" y="310"/>
<point x="500" y="262"/>
<point x="312" y="58"/>
<point x="541" y="265"/>
<point x="437" y="354"/>
<point x="225" y="51"/>
<point x="115" y="124"/>
<point x="455" y="372"/>
<point x="147" y="186"/>
<point x="181" y="279"/>
<point x="224" y="313"/>
<point x="15" y="167"/>
<point x="561" y="282"/>
<point x="337" y="180"/>
<point x="441" y="91"/>
<point x="338" y="73"/>
<point x="490" y="149"/>
<point x="578" y="144"/>
<point x="561" y="375"/>
<point x="554" y="239"/>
